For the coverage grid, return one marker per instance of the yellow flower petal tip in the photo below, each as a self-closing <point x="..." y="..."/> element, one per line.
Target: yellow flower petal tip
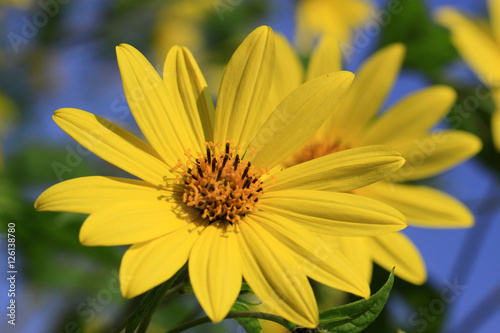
<point x="85" y="236"/>
<point x="38" y="204"/>
<point x="447" y="16"/>
<point x="395" y="50"/>
<point x="474" y="144"/>
<point x="445" y="92"/>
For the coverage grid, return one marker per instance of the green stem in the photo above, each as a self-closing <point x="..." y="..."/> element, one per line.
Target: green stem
<point x="174" y="290"/>
<point x="158" y="299"/>
<point x="235" y="314"/>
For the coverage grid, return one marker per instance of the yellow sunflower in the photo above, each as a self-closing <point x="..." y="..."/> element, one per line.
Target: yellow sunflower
<point x="406" y="126"/>
<point x="205" y="194"/>
<point x="214" y="205"/>
<point x="334" y="17"/>
<point x="479" y="45"/>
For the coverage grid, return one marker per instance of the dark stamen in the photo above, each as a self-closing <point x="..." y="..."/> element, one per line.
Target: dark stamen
<point x="225" y="161"/>
<point x="247" y="183"/>
<point x="260" y="189"/>
<point x="219" y="174"/>
<point x="246" y="171"/>
<point x="213" y="164"/>
<point x="227" y="148"/>
<point x="236" y="161"/>
<point x="199" y="170"/>
<point x="208" y="156"/>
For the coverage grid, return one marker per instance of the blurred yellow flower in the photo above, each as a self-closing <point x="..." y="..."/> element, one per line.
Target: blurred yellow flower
<point x="407" y="127"/>
<point x="180" y="23"/>
<point x="205" y="195"/>
<point x="479" y="44"/>
<point x="334" y="17"/>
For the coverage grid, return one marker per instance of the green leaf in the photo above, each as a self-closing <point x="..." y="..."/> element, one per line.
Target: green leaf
<point x="250" y="325"/>
<point x="355" y="317"/>
<point x="148" y="306"/>
<point x="428" y="45"/>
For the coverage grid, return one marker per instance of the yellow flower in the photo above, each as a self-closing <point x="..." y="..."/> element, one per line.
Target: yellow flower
<point x="204" y="194"/>
<point x="180" y="23"/>
<point x="334" y="17"/>
<point x="479" y="45"/>
<point x="406" y="126"/>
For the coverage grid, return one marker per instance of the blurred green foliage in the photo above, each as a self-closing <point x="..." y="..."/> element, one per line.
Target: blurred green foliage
<point x="428" y="46"/>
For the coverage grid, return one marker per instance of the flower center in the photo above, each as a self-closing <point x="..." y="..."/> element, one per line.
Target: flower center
<point x="221" y="185"/>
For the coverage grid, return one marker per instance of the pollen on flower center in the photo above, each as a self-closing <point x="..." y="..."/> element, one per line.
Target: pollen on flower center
<point x="220" y="184"/>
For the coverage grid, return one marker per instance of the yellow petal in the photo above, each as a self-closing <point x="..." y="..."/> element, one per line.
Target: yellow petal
<point x="130" y="222"/>
<point x="215" y="271"/>
<point x="189" y="91"/>
<point x="435" y="153"/>
<point x="368" y="92"/>
<point x="333" y="213"/>
<point x="245" y="88"/>
<point x="397" y="250"/>
<point x="146" y="265"/>
<point x="319" y="260"/>
<point x="355" y="12"/>
<point x="422" y="206"/>
<point x="291" y="124"/>
<point x="475" y="45"/>
<point x="288" y="73"/>
<point x="326" y="58"/>
<point x="275" y="276"/>
<point x="341" y="172"/>
<point x="89" y="194"/>
<point x="411" y="117"/>
<point x="113" y="144"/>
<point x="318" y="17"/>
<point x="357" y="251"/>
<point x="494" y="10"/>
<point x="165" y="127"/>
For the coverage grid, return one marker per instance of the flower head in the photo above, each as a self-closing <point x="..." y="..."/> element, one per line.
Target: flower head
<point x="332" y="17"/>
<point x="206" y="195"/>
<point x="406" y="126"/>
<point x="479" y="44"/>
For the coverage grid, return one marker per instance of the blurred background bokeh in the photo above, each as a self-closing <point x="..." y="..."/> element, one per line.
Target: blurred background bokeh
<point x="61" y="53"/>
